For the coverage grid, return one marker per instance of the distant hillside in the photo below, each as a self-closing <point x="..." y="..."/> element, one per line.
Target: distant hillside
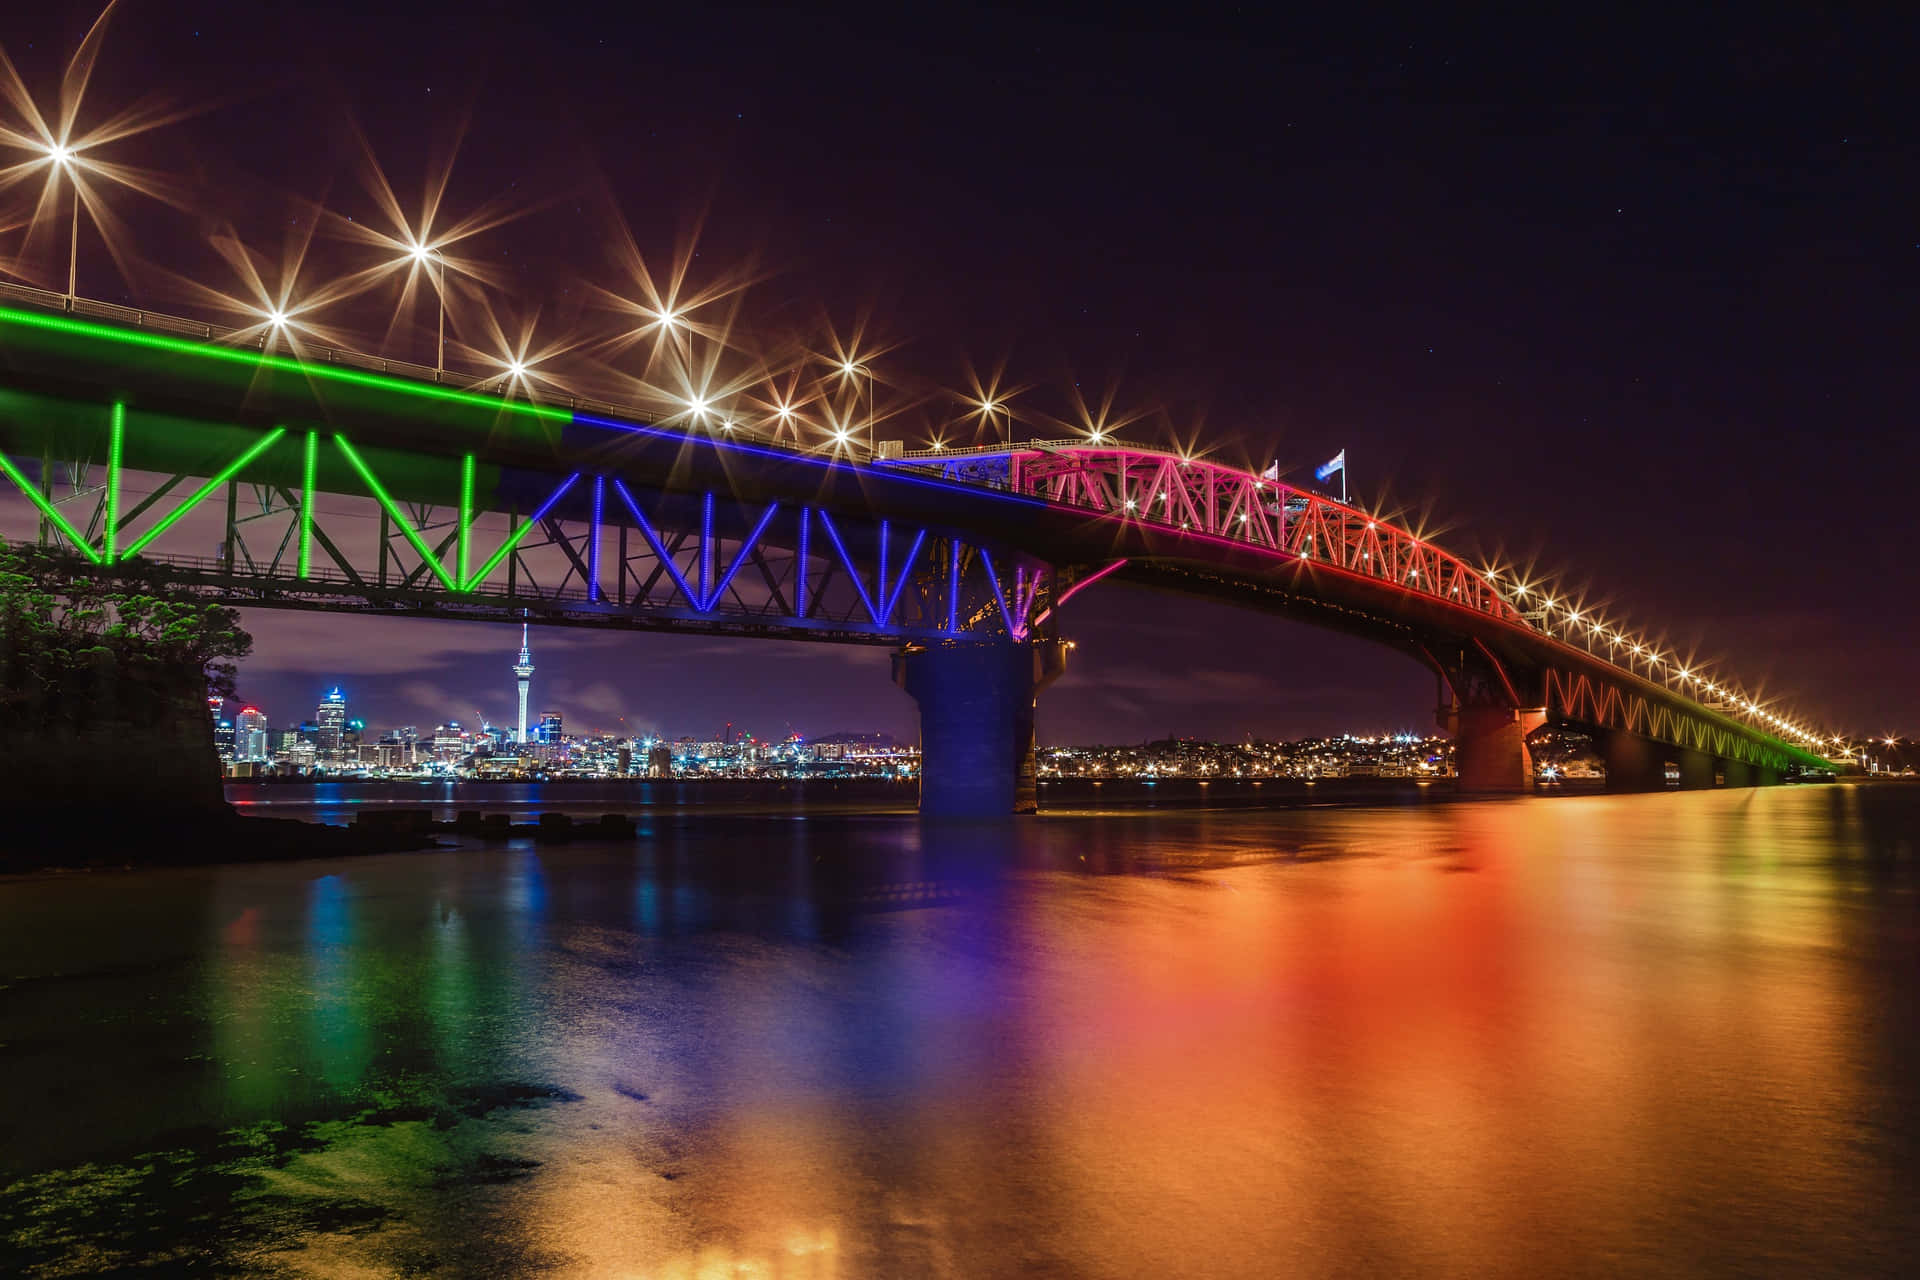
<point x="858" y="740"/>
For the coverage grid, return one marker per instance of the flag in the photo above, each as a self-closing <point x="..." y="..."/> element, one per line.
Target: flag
<point x="1338" y="463"/>
<point x="1272" y="472"/>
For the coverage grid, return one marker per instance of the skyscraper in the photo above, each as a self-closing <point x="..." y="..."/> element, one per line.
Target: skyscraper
<point x="250" y="735"/>
<point x="331" y="717"/>
<point x="523" y="670"/>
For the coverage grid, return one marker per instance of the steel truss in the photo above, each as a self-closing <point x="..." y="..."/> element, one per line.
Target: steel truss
<point x="1216" y="501"/>
<point x="1605" y="704"/>
<point x="582" y="549"/>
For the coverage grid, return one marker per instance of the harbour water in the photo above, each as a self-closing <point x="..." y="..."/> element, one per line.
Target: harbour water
<point x="1669" y="1035"/>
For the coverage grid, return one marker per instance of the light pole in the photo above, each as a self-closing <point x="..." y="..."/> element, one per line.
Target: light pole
<point x="62" y="157"/>
<point x="990" y="407"/>
<point x="675" y="322"/>
<point x="426" y="257"/>
<point x="853" y="369"/>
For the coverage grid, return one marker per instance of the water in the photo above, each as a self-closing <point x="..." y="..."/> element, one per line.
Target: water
<point x="1654" y="1035"/>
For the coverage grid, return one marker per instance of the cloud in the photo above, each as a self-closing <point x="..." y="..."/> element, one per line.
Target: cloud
<point x="426" y="695"/>
<point x="366" y="644"/>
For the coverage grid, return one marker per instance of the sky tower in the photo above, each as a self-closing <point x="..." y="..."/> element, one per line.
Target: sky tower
<point x="523" y="669"/>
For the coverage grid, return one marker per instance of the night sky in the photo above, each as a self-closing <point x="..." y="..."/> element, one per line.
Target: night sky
<point x="1629" y="301"/>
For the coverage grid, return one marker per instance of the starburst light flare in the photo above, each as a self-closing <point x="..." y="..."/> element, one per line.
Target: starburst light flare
<point x="1100" y="423"/>
<point x="671" y="314"/>
<point x="60" y="155"/>
<point x="518" y="366"/>
<point x="987" y="403"/>
<point x="426" y="247"/>
<point x="274" y="307"/>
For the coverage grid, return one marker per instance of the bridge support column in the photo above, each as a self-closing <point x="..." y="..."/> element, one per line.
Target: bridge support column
<point x="1696" y="769"/>
<point x="1736" y="773"/>
<point x="976" y="723"/>
<point x="1634" y="763"/>
<point x="1490" y="754"/>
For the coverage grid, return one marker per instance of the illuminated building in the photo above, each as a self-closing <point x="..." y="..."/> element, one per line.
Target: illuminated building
<point x="250" y="735"/>
<point x="450" y="741"/>
<point x="331" y="719"/>
<point x="550" y="728"/>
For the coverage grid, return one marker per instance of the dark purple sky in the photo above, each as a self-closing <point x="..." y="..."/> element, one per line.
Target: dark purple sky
<point x="1632" y="300"/>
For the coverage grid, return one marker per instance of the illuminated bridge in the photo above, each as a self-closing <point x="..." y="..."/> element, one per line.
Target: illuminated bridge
<point x="149" y="449"/>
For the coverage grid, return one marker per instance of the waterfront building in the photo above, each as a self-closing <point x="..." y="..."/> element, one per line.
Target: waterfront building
<point x="330" y="719"/>
<point x="450" y="741"/>
<point x="250" y="736"/>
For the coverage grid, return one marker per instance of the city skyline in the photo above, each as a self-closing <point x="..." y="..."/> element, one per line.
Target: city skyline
<point x="636" y="683"/>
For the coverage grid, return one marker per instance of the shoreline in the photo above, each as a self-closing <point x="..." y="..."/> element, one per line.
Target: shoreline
<point x="403" y="824"/>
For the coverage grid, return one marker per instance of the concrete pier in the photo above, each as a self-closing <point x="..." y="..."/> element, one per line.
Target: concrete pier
<point x="976" y="723"/>
<point x="1490" y="754"/>
<point x="1633" y="763"/>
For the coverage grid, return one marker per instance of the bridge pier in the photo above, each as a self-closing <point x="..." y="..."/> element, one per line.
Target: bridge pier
<point x="976" y="723"/>
<point x="1736" y="773"/>
<point x="1490" y="754"/>
<point x="1696" y="769"/>
<point x="1633" y="763"/>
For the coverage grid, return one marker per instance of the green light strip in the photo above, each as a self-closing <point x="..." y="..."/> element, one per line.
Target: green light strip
<point x="114" y="437"/>
<point x="466" y="510"/>
<point x="306" y="504"/>
<point x="47" y="509"/>
<point x="406" y="527"/>
<point x="513" y="539"/>
<point x="260" y="360"/>
<point x="200" y="494"/>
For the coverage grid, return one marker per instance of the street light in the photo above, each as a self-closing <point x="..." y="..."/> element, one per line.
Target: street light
<point x="425" y="256"/>
<point x="849" y="368"/>
<point x="989" y="407"/>
<point x="675" y="322"/>
<point x="62" y="157"/>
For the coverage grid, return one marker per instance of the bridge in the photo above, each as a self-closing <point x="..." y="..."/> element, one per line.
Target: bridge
<point x="163" y="451"/>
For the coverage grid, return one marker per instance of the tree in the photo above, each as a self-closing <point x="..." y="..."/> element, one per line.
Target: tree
<point x="74" y="646"/>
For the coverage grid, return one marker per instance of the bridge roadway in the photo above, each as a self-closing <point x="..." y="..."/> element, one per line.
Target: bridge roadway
<point x="963" y="563"/>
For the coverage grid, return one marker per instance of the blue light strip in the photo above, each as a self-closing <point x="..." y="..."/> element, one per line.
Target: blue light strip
<point x="1005" y="617"/>
<point x="706" y="551"/>
<point x="852" y="572"/>
<point x="906" y="567"/>
<point x="800" y="569"/>
<point x="887" y="474"/>
<point x="659" y="547"/>
<point x="593" y="548"/>
<point x="953" y="590"/>
<point x="740" y="558"/>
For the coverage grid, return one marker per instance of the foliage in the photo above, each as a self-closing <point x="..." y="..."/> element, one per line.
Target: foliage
<point x="75" y="647"/>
